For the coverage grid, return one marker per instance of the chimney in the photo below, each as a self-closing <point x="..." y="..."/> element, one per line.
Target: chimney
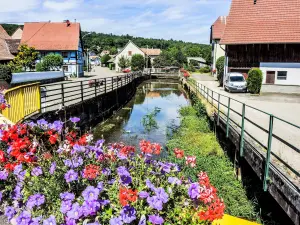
<point x="67" y="22"/>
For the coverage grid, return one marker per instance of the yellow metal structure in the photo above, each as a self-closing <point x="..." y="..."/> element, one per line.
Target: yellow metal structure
<point x="24" y="100"/>
<point x="230" y="220"/>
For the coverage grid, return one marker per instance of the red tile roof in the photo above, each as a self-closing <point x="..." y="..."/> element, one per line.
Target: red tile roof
<point x="267" y="21"/>
<point x="4" y="50"/>
<point x="151" y="51"/>
<point x="218" y="27"/>
<point x="51" y="36"/>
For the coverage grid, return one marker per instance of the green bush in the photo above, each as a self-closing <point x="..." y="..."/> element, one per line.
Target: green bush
<point x="105" y="59"/>
<point x="254" y="81"/>
<point x="5" y="73"/>
<point x="52" y="62"/>
<point x="39" y="67"/>
<point x="220" y="69"/>
<point x="137" y="62"/>
<point x="191" y="68"/>
<point x="205" y="69"/>
<point x="196" y="138"/>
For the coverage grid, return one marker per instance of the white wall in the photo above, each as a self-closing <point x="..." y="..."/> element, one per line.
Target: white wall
<point x="217" y="52"/>
<point x="293" y="72"/>
<point x="130" y="47"/>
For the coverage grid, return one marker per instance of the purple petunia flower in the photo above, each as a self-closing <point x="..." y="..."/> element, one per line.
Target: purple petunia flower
<point x="150" y="185"/>
<point x="156" y="219"/>
<point x="65" y="206"/>
<point x="42" y="122"/>
<point x="24" y="218"/>
<point x="165" y="167"/>
<point x="17" y="192"/>
<point x="90" y="193"/>
<point x="57" y="125"/>
<point x="74" y="119"/>
<point x="144" y="194"/>
<point x="122" y="171"/>
<point x="52" y="168"/>
<point x="194" y="191"/>
<point x="106" y="171"/>
<point x="155" y="203"/>
<point x="18" y="169"/>
<point x="104" y="202"/>
<point x="21" y="176"/>
<point x="9" y="212"/>
<point x="95" y="223"/>
<point x="100" y="186"/>
<point x="67" y="196"/>
<point x="125" y="180"/>
<point x="35" y="200"/>
<point x="36" y="221"/>
<point x="36" y="171"/>
<point x="174" y="180"/>
<point x="70" y="176"/>
<point x="116" y="221"/>
<point x="161" y="194"/>
<point x="90" y="208"/>
<point x="74" y="163"/>
<point x="77" y="149"/>
<point x="142" y="220"/>
<point x="70" y="221"/>
<point x="3" y="175"/>
<point x="112" y="181"/>
<point x="50" y="221"/>
<point x="1" y="196"/>
<point x="76" y="212"/>
<point x="128" y="214"/>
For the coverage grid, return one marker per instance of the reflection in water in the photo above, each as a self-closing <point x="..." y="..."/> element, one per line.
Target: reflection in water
<point x="126" y="125"/>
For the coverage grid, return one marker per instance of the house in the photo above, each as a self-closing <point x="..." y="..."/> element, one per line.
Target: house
<point x="62" y="38"/>
<point x="131" y="49"/>
<point x="104" y="52"/>
<point x="17" y="34"/>
<point x="264" y="34"/>
<point x="5" y="54"/>
<point x="216" y="33"/>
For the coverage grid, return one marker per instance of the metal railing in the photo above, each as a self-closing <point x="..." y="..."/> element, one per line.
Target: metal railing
<point x="24" y="101"/>
<point x="58" y="96"/>
<point x="276" y="141"/>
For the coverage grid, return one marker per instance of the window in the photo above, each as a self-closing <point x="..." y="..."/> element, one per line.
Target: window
<point x="64" y="54"/>
<point x="66" y="68"/>
<point x="281" y="75"/>
<point x="129" y="53"/>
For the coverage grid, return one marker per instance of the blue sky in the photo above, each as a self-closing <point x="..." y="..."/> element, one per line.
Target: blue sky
<point x="187" y="20"/>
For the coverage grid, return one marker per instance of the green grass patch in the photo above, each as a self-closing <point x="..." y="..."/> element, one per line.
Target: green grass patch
<point x="195" y="137"/>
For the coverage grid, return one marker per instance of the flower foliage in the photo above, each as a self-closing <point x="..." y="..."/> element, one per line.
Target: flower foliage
<point x="3" y="102"/>
<point x="51" y="175"/>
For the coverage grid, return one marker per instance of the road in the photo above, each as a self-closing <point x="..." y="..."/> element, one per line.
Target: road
<point x="283" y="106"/>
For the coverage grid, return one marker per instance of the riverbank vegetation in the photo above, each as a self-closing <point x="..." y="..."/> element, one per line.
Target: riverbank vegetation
<point x="196" y="138"/>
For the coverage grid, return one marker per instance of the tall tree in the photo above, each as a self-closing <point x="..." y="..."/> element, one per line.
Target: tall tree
<point x="105" y="59"/>
<point x="124" y="62"/>
<point x="52" y="62"/>
<point x="137" y="62"/>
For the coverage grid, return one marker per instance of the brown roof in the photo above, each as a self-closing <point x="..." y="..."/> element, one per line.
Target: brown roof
<point x="4" y="50"/>
<point x="267" y="21"/>
<point x="51" y="36"/>
<point x="13" y="45"/>
<point x="151" y="51"/>
<point x="218" y="27"/>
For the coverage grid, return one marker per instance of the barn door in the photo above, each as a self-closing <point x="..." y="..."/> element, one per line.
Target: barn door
<point x="270" y="79"/>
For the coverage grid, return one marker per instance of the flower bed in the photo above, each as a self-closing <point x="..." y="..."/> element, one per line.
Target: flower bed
<point x="49" y="175"/>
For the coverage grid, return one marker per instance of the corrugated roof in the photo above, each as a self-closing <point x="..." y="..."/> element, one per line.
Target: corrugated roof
<point x="151" y="51"/>
<point x="4" y="50"/>
<point x="51" y="36"/>
<point x="218" y="27"/>
<point x="267" y="21"/>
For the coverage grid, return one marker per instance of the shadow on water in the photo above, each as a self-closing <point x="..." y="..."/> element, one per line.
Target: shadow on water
<point x="126" y="125"/>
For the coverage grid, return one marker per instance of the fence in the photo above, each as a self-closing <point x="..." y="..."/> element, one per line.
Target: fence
<point x="24" y="101"/>
<point x="257" y="125"/>
<point x="58" y="96"/>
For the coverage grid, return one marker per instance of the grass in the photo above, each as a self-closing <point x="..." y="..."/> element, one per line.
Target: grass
<point x="196" y="138"/>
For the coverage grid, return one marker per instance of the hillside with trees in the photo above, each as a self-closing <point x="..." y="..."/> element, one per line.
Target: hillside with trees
<point x="173" y="50"/>
<point x="11" y="28"/>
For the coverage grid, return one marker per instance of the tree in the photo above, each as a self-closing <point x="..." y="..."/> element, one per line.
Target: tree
<point x="5" y="72"/>
<point x="254" y="80"/>
<point x="194" y="62"/>
<point x="220" y="69"/>
<point x="52" y="62"/>
<point x="181" y="58"/>
<point x="105" y="59"/>
<point x="113" y="50"/>
<point x="39" y="67"/>
<point x="124" y="62"/>
<point x="25" y="59"/>
<point x="137" y="62"/>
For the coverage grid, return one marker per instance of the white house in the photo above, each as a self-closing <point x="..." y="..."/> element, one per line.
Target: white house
<point x="131" y="49"/>
<point x="17" y="34"/>
<point x="217" y="31"/>
<point x="62" y="38"/>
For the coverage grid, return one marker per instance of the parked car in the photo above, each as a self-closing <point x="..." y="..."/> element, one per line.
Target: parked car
<point x="126" y="70"/>
<point x="235" y="82"/>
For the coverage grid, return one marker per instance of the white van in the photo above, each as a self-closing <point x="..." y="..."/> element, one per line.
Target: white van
<point x="235" y="82"/>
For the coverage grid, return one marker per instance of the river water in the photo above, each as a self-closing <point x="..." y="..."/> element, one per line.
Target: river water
<point x="157" y="102"/>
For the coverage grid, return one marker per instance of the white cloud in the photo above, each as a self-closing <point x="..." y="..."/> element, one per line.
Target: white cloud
<point x="62" y="6"/>
<point x="173" y="13"/>
<point x="7" y="6"/>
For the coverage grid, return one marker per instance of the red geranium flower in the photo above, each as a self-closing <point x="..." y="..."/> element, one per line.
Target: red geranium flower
<point x="179" y="153"/>
<point x="10" y="166"/>
<point x="2" y="157"/>
<point x="91" y="171"/>
<point x="53" y="138"/>
<point x="191" y="160"/>
<point x="127" y="195"/>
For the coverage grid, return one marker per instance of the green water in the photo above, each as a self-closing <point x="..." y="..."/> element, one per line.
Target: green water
<point x="126" y="125"/>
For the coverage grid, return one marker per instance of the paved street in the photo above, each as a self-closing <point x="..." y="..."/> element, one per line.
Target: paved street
<point x="283" y="106"/>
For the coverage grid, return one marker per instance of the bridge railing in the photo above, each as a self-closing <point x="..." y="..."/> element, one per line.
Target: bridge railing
<point x="60" y="95"/>
<point x="278" y="138"/>
<point x="24" y="101"/>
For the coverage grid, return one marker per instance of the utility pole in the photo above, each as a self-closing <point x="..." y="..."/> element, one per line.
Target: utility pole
<point x="147" y="58"/>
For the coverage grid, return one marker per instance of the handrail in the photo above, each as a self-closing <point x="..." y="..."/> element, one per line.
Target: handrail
<point x="205" y="92"/>
<point x="24" y="100"/>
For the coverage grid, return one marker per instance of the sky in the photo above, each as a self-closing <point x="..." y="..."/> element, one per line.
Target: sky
<point x="187" y="20"/>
